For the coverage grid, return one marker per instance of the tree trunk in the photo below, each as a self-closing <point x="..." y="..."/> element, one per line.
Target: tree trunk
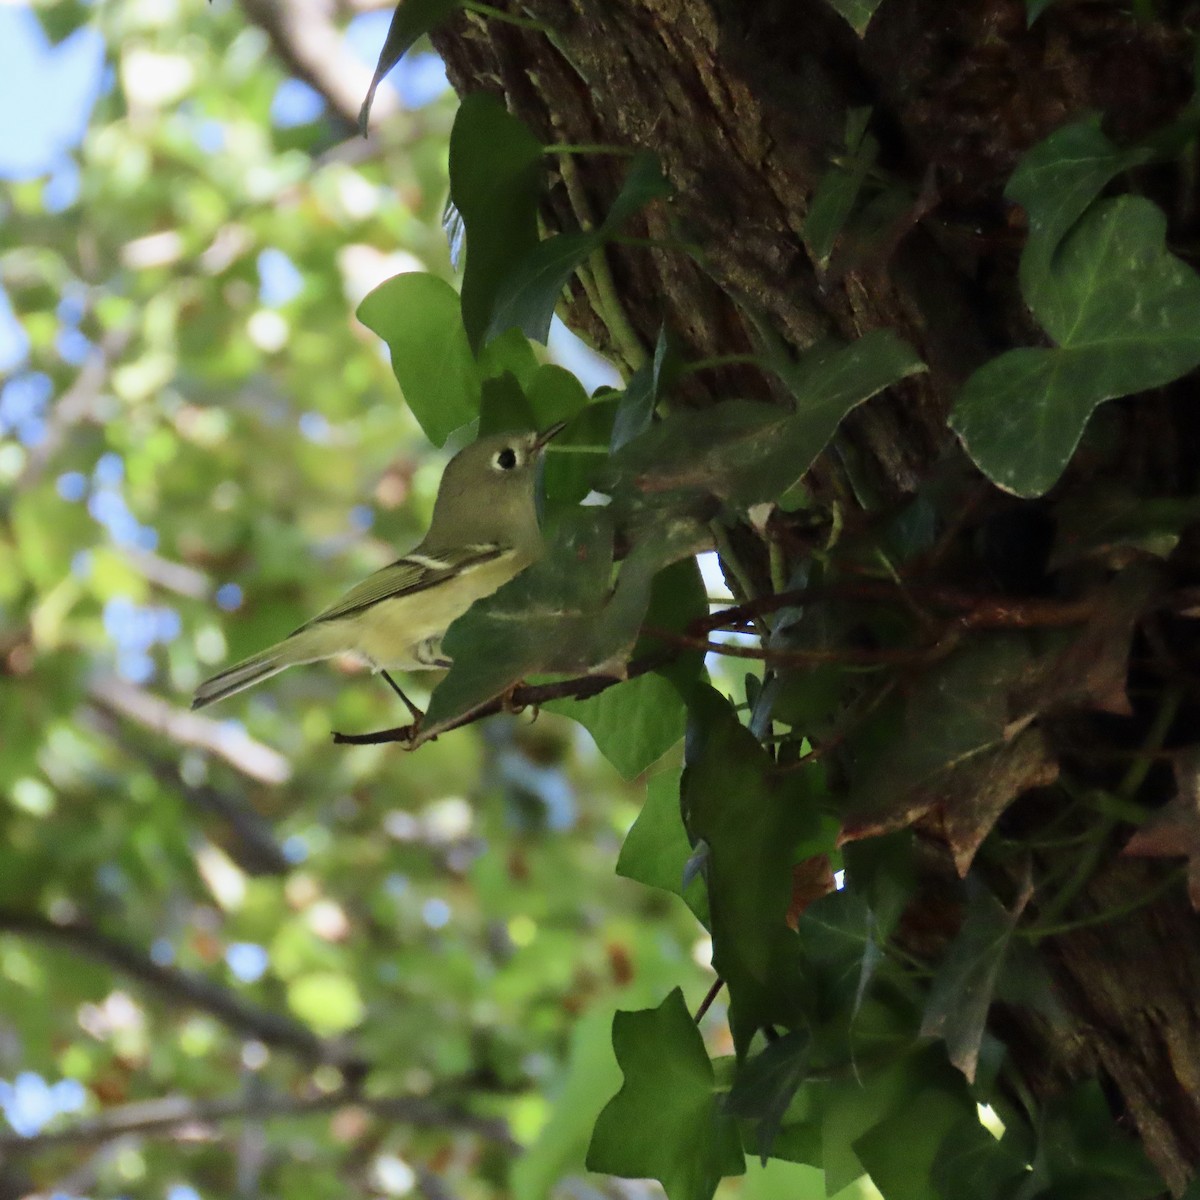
<point x="745" y="104"/>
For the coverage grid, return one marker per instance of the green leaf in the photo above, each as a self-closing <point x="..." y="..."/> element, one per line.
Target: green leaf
<point x="1056" y="182"/>
<point x="839" y="188"/>
<point x="528" y="293"/>
<point x="852" y="1103"/>
<point x="733" y="802"/>
<point x="505" y="407"/>
<point x="899" y="1153"/>
<point x="970" y="1164"/>
<point x="1126" y="316"/>
<point x="418" y="316"/>
<point x="634" y="724"/>
<point x="962" y="990"/>
<point x="857" y="13"/>
<point x="765" y="1084"/>
<point x="495" y="180"/>
<point x="644" y="390"/>
<point x="656" y="849"/>
<point x="576" y="458"/>
<point x="749" y="452"/>
<point x="411" y="20"/>
<point x="666" y="1121"/>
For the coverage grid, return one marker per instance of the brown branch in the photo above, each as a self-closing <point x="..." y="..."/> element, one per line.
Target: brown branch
<point x="313" y="49"/>
<point x="182" y="987"/>
<point x="972" y="612"/>
<point x="526" y="696"/>
<point x="176" y="1114"/>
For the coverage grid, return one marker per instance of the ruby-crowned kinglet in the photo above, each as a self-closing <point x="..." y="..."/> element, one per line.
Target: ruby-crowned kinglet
<point x="484" y="531"/>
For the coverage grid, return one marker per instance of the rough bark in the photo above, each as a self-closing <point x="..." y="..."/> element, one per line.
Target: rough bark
<point x="744" y="103"/>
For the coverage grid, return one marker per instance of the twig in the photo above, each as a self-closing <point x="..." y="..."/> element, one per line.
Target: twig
<point x="252" y="844"/>
<point x="183" y="987"/>
<point x="705" y="1004"/>
<point x="525" y="696"/>
<point x="174" y="1114"/>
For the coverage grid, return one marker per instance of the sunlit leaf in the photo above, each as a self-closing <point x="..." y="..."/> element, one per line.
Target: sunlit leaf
<point x="418" y="316"/>
<point x="666" y="1121"/>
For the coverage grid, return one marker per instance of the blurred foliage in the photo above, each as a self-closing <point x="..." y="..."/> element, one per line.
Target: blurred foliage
<point x="220" y="447"/>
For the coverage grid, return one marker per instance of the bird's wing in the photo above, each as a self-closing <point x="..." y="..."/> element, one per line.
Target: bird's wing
<point x="412" y="573"/>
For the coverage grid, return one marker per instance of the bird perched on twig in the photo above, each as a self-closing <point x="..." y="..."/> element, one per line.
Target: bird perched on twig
<point x="484" y="532"/>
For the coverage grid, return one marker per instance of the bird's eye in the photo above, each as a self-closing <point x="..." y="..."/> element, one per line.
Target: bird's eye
<point x="506" y="459"/>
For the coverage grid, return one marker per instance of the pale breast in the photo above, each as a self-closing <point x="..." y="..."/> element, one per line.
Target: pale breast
<point x="401" y="633"/>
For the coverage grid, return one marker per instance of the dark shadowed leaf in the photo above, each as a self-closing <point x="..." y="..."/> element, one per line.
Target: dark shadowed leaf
<point x="666" y="1122"/>
<point x="765" y="1084"/>
<point x="749" y="452"/>
<point x="962" y="990"/>
<point x="753" y="827"/>
<point x="839" y="189"/>
<point x="411" y="19"/>
<point x="900" y="1152"/>
<point x="526" y="296"/>
<point x="495" y="176"/>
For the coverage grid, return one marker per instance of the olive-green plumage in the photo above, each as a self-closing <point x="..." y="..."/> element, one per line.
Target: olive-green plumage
<point x="484" y="531"/>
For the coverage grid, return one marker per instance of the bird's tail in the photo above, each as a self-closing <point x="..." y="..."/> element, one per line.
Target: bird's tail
<point x="289" y="653"/>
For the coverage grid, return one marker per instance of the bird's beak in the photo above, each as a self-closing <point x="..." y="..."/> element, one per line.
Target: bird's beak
<point x="545" y="437"/>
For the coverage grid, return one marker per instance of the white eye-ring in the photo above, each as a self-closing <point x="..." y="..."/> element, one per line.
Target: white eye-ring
<point x="505" y="459"/>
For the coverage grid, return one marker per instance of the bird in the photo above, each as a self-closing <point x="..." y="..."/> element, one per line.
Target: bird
<point x="484" y="532"/>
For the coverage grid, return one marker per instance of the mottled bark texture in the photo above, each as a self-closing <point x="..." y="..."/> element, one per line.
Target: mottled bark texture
<point x="744" y="102"/>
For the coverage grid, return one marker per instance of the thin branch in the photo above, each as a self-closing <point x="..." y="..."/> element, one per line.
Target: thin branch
<point x="173" y="1115"/>
<point x="222" y="738"/>
<point x="252" y="844"/>
<point x="526" y="696"/>
<point x="182" y="987"/>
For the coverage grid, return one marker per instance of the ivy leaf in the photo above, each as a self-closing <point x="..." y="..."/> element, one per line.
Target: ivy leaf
<point x="656" y="849"/>
<point x="901" y="1151"/>
<point x="962" y="990"/>
<point x="637" y="722"/>
<point x="666" y="1121"/>
<point x="576" y="458"/>
<point x="418" y="316"/>
<point x="561" y="616"/>
<point x="839" y="188"/>
<point x="644" y="390"/>
<point x="1056" y="182"/>
<point x="634" y="724"/>
<point x="411" y="19"/>
<point x="1125" y="314"/>
<point x="526" y="296"/>
<point x="856" y="13"/>
<point x="945" y="752"/>
<point x="971" y="1164"/>
<point x="751" y="453"/>
<point x="732" y="802"/>
<point x="765" y="1084"/>
<point x="495" y="179"/>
